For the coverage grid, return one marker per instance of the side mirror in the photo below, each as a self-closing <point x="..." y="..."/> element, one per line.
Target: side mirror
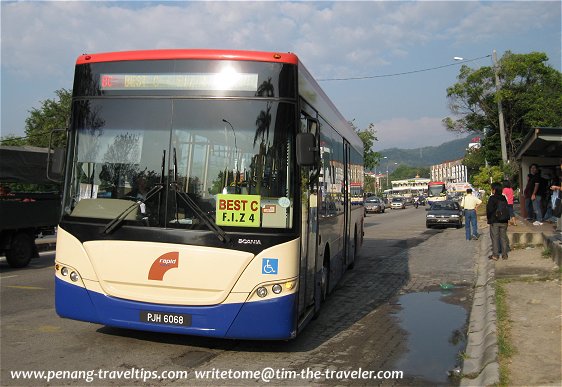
<point x="306" y="149"/>
<point x="55" y="160"/>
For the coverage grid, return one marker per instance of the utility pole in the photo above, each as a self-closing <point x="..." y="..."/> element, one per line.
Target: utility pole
<point x="500" y="111"/>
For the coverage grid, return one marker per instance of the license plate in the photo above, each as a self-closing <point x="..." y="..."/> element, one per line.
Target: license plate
<point x="165" y="318"/>
<point x="443" y="220"/>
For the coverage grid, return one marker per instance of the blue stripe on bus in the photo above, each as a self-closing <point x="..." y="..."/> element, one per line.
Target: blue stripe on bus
<point x="271" y="319"/>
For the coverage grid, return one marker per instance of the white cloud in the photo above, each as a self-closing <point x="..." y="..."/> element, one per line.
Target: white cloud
<point x="335" y="39"/>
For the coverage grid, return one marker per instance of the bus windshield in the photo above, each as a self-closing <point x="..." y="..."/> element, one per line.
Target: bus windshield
<point x="231" y="158"/>
<point x="435" y="190"/>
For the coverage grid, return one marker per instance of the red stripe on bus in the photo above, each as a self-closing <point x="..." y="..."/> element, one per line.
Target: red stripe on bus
<point x="259" y="56"/>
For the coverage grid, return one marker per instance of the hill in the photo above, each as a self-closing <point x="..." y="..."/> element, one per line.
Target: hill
<point x="429" y="155"/>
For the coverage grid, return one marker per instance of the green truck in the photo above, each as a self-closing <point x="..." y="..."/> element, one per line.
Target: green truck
<point x="30" y="203"/>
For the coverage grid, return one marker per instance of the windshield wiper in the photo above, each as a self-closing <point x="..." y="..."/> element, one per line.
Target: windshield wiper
<point x="219" y="232"/>
<point x="118" y="220"/>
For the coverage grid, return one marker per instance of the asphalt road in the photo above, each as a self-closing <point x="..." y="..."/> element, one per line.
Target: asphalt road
<point x="359" y="328"/>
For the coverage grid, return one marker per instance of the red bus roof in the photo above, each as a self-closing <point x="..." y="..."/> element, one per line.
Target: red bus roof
<point x="259" y="56"/>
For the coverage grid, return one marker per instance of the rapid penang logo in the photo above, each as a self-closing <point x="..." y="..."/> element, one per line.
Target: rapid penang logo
<point x="162" y="264"/>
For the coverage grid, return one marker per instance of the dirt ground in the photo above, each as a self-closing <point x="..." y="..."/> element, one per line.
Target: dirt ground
<point x="534" y="303"/>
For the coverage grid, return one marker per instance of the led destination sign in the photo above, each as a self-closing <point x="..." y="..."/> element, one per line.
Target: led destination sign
<point x="225" y="81"/>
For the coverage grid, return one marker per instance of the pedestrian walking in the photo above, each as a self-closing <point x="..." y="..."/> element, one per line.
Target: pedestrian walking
<point x="470" y="204"/>
<point x="507" y="191"/>
<point x="497" y="214"/>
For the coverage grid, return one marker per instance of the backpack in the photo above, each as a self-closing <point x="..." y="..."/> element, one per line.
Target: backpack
<point x="502" y="211"/>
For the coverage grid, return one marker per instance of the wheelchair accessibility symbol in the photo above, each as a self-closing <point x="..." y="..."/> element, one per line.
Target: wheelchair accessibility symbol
<point x="269" y="265"/>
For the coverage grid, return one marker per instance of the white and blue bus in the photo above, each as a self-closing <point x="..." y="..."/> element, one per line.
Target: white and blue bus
<point x="206" y="193"/>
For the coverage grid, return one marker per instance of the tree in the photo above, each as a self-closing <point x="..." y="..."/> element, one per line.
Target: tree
<point x="403" y="172"/>
<point x="370" y="158"/>
<point x="487" y="176"/>
<point x="530" y="94"/>
<point x="53" y="114"/>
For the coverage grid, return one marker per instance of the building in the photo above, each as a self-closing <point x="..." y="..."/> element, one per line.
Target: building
<point x="409" y="187"/>
<point x="449" y="172"/>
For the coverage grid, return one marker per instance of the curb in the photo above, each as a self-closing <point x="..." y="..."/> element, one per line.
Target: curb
<point x="481" y="368"/>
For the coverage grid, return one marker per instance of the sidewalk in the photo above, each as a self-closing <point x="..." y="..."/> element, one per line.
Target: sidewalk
<point x="530" y="280"/>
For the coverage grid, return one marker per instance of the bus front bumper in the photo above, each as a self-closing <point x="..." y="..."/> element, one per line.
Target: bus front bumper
<point x="264" y="320"/>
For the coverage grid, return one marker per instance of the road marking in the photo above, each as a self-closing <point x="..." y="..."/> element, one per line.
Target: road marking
<point x="25" y="287"/>
<point x="8" y="276"/>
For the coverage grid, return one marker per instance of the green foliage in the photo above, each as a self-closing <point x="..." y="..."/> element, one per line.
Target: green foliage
<point x="474" y="159"/>
<point x="370" y="184"/>
<point x="506" y="350"/>
<point x="53" y="114"/>
<point x="370" y="158"/>
<point x="487" y="176"/>
<point x="406" y="172"/>
<point x="12" y="140"/>
<point x="530" y="94"/>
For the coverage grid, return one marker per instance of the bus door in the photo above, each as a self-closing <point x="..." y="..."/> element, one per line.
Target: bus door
<point x="309" y="225"/>
<point x="347" y="200"/>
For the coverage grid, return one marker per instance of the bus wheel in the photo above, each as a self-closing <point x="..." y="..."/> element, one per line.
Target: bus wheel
<point x="353" y="251"/>
<point x="325" y="279"/>
<point x="21" y="250"/>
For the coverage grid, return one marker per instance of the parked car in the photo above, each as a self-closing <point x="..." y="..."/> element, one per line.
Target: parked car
<point x="446" y="213"/>
<point x="398" y="203"/>
<point x="374" y="204"/>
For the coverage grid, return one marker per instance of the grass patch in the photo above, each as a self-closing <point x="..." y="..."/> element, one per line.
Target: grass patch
<point x="505" y="347"/>
<point x="546" y="252"/>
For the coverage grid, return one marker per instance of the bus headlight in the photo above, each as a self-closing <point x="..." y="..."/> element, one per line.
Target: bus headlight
<point x="74" y="276"/>
<point x="261" y="292"/>
<point x="276" y="288"/>
<point x="64" y="271"/>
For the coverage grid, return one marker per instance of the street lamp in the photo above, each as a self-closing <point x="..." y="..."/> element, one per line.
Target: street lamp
<point x="386" y="170"/>
<point x="500" y="112"/>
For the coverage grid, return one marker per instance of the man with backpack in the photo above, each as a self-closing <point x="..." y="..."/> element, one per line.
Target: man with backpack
<point x="497" y="214"/>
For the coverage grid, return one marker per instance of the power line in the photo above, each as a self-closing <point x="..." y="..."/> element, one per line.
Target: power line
<point x="404" y="73"/>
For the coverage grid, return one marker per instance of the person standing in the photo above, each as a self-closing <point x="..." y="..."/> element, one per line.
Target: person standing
<point x="507" y="191"/>
<point x="536" y="186"/>
<point x="470" y="204"/>
<point x="498" y="227"/>
<point x="557" y="186"/>
<point x="527" y="192"/>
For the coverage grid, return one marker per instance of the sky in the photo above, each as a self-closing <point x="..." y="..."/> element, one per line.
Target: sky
<point x="370" y="40"/>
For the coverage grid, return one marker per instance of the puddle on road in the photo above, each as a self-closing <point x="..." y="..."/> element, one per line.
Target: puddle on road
<point x="435" y="334"/>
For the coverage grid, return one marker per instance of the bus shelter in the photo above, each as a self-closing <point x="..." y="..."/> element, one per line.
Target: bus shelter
<point x="542" y="146"/>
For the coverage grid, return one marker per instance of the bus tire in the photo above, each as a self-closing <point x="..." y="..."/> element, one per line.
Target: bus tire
<point x="354" y="250"/>
<point x="325" y="277"/>
<point x="21" y="250"/>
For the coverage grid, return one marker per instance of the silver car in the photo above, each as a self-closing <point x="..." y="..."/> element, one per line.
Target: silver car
<point x="374" y="205"/>
<point x="399" y="203"/>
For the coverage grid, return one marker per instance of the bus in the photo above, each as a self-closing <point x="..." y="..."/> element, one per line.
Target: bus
<point x="207" y="192"/>
<point x="436" y="191"/>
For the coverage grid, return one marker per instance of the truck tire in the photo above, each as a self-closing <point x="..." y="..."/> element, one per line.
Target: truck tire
<point x="21" y="250"/>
